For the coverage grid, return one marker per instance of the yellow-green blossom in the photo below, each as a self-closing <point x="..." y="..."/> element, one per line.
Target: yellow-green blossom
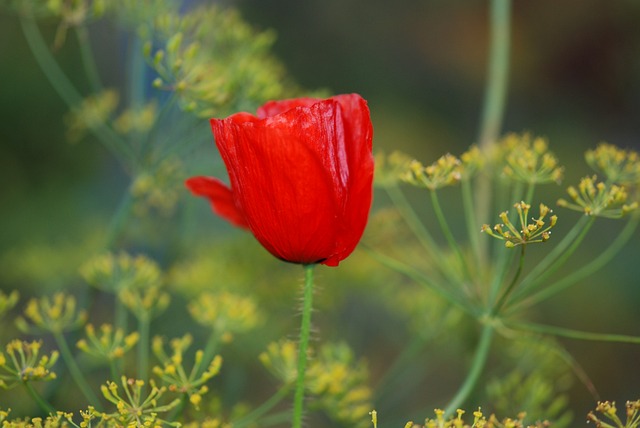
<point x="146" y="303"/>
<point x="174" y="375"/>
<point x="93" y="112"/>
<point x="617" y="165"/>
<point x="598" y="199"/>
<point x="528" y="159"/>
<point x="113" y="273"/>
<point x="389" y="168"/>
<point x="224" y="312"/>
<point x="23" y="363"/>
<point x="56" y="315"/>
<point x="446" y="171"/>
<point x="8" y="301"/>
<point x="528" y="232"/>
<point x="134" y="406"/>
<point x="108" y="344"/>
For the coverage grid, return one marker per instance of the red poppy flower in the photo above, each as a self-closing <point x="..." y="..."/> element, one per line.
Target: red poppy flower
<point x="301" y="175"/>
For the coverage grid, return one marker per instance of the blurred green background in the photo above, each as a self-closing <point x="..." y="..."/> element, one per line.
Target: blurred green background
<point x="575" y="78"/>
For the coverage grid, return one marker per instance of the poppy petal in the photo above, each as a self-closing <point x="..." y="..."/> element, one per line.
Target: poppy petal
<point x="220" y="196"/>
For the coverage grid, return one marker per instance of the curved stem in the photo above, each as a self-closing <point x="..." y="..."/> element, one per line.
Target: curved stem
<point x="265" y="407"/>
<point x="514" y="281"/>
<point x="41" y="402"/>
<point x="67" y="91"/>
<point x="446" y="230"/>
<point x="209" y="352"/>
<point x="556" y="257"/>
<point x="88" y="60"/>
<point x="479" y="360"/>
<point x="587" y="269"/>
<point x="74" y="370"/>
<point x="305" y="330"/>
<point x="575" y="334"/>
<point x="421" y="278"/>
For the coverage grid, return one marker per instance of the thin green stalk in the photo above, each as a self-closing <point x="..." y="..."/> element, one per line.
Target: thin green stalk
<point x="305" y="330"/>
<point x="556" y="257"/>
<point x="413" y="221"/>
<point x="67" y="91"/>
<point x="575" y="334"/>
<point x="477" y="365"/>
<point x="473" y="227"/>
<point x="494" y="98"/>
<point x="505" y="295"/>
<point x="586" y="269"/>
<point x="446" y="230"/>
<point x="118" y="220"/>
<point x="209" y="352"/>
<point x="144" y="325"/>
<point x="264" y="408"/>
<point x="74" y="370"/>
<point x="88" y="60"/>
<point x="41" y="402"/>
<point x="421" y="278"/>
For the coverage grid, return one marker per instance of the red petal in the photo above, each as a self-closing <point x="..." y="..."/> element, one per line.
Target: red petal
<point x="220" y="196"/>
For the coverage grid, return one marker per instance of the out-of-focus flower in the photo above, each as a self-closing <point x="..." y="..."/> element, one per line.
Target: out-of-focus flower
<point x="110" y="344"/>
<point x="114" y="273"/>
<point x="598" y="199"/>
<point x="8" y="301"/>
<point x="618" y="166"/>
<point x="23" y="363"/>
<point x="301" y="176"/>
<point x="529" y="160"/>
<point x="54" y="315"/>
<point x="225" y="313"/>
<point x="446" y="171"/>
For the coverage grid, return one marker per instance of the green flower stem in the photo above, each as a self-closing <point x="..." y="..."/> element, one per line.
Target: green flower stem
<point x="503" y="256"/>
<point x="587" y="269"/>
<point x="305" y="330"/>
<point x="556" y="257"/>
<point x="88" y="60"/>
<point x="119" y="219"/>
<point x="67" y="91"/>
<point x="477" y="365"/>
<point x="144" y="325"/>
<point x="209" y="352"/>
<point x="446" y="230"/>
<point x="505" y="295"/>
<point x="264" y="408"/>
<point x="41" y="402"/>
<point x="415" y="224"/>
<point x="575" y="334"/>
<point x="74" y="370"/>
<point x="495" y="96"/>
<point x="420" y="278"/>
<point x="473" y="227"/>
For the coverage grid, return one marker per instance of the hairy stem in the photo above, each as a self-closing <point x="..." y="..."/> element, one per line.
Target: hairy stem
<point x="305" y="330"/>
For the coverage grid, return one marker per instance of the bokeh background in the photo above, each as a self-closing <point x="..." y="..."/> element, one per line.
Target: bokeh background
<point x="575" y="79"/>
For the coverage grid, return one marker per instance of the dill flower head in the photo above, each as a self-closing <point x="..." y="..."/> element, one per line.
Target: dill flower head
<point x="225" y="312"/>
<point x="56" y="315"/>
<point x="8" y="301"/>
<point x="599" y="199"/>
<point x="527" y="232"/>
<point x="389" y="168"/>
<point x="115" y="272"/>
<point x="108" y="344"/>
<point x="529" y="160"/>
<point x="617" y="165"/>
<point x="24" y="363"/>
<point x="446" y="171"/>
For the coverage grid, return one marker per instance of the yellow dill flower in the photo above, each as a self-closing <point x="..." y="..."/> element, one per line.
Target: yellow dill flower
<point x="56" y="315"/>
<point x="617" y="165"/>
<point x="528" y="232"/>
<point x="113" y="273"/>
<point x="598" y="199"/>
<point x="109" y="344"/>
<point x="528" y="159"/>
<point x="389" y="168"/>
<point x="8" y="301"/>
<point x="446" y="171"/>
<point x="225" y="312"/>
<point x="24" y="363"/>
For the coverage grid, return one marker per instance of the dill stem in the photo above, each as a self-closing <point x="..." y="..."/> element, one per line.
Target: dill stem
<point x="74" y="370"/>
<point x="305" y="330"/>
<point x="575" y="334"/>
<point x="88" y="60"/>
<point x="262" y="409"/>
<point x="509" y="289"/>
<point x="586" y="269"/>
<point x="67" y="91"/>
<point x="44" y="405"/>
<point x="473" y="228"/>
<point x="446" y="230"/>
<point x="495" y="96"/>
<point x="144" y="324"/>
<point x="477" y="365"/>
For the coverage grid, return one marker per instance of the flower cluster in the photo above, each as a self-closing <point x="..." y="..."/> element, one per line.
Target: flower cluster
<point x="113" y="273"/>
<point x="8" y="301"/>
<point x="527" y="233"/>
<point x="608" y="410"/>
<point x="598" y="199"/>
<point x="23" y="363"/>
<point x="446" y="171"/>
<point x="109" y="344"/>
<point x="54" y="315"/>
<point x="617" y="165"/>
<point x="174" y="375"/>
<point x="528" y="159"/>
<point x="225" y="313"/>
<point x="479" y="421"/>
